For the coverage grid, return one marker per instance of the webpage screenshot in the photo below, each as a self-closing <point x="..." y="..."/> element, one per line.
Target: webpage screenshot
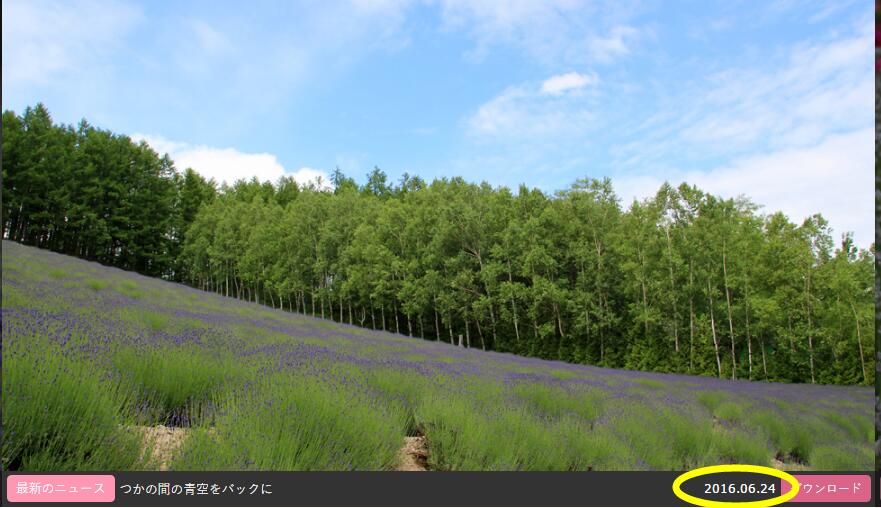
<point x="439" y="253"/>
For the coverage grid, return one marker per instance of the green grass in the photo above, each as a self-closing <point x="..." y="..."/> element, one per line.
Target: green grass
<point x="834" y="458"/>
<point x="711" y="399"/>
<point x="553" y="401"/>
<point x="857" y="428"/>
<point x="673" y="442"/>
<point x="291" y="423"/>
<point x="300" y="404"/>
<point x="740" y="447"/>
<point x="95" y="284"/>
<point x="181" y="382"/>
<point x="730" y="411"/>
<point x="597" y="449"/>
<point x="793" y="442"/>
<point x="466" y="437"/>
<point x="650" y="383"/>
<point x="130" y="289"/>
<point x="14" y="297"/>
<point x="401" y="389"/>
<point x="59" y="415"/>
<point x="154" y="320"/>
<point x="563" y="374"/>
<point x="57" y="273"/>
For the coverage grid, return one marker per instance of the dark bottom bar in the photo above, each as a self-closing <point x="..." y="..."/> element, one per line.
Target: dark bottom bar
<point x="393" y="489"/>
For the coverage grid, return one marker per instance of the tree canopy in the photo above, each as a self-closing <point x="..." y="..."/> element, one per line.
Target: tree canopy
<point x="682" y="282"/>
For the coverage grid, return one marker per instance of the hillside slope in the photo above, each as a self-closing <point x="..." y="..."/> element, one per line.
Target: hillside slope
<point x="93" y="355"/>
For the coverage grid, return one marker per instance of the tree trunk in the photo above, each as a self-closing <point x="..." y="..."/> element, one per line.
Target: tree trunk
<point x="764" y="364"/>
<point x="397" y="325"/>
<point x="513" y="303"/>
<point x="810" y="331"/>
<point x="604" y="307"/>
<point x="330" y="306"/>
<point x="467" y="334"/>
<point x="713" y="327"/>
<point x="645" y="305"/>
<point x="730" y="318"/>
<point x="492" y="318"/>
<point x="586" y="329"/>
<point x="749" y="342"/>
<point x="559" y="319"/>
<point x="382" y="309"/>
<point x="535" y="327"/>
<point x="673" y="292"/>
<point x="859" y="342"/>
<point x="690" y="317"/>
<point x="436" y="325"/>
<point x="451" y="332"/>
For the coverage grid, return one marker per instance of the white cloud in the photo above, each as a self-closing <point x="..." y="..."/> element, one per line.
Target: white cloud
<point x="833" y="178"/>
<point x="210" y="40"/>
<point x="607" y="48"/>
<point x="228" y="164"/>
<point x="561" y="83"/>
<point x="560" y="109"/>
<point x="43" y="39"/>
<point x="310" y="176"/>
<point x="550" y="31"/>
<point x="796" y="97"/>
<point x="524" y="112"/>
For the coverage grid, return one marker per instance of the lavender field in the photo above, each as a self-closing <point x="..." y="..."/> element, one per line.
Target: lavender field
<point x="95" y="357"/>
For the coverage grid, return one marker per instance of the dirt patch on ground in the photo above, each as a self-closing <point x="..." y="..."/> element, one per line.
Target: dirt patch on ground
<point x="789" y="466"/>
<point x="162" y="441"/>
<point x="414" y="455"/>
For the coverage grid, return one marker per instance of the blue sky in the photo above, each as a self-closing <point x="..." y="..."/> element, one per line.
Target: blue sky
<point x="768" y="99"/>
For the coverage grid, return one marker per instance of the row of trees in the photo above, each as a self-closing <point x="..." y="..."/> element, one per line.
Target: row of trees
<point x="682" y="282"/>
<point x="96" y="195"/>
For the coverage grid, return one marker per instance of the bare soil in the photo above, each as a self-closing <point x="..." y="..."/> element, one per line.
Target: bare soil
<point x="789" y="466"/>
<point x="414" y="455"/>
<point x="162" y="441"/>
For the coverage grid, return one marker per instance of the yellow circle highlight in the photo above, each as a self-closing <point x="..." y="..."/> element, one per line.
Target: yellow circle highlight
<point x="735" y="468"/>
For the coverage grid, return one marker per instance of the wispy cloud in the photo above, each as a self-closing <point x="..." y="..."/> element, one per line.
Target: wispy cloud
<point x="831" y="177"/>
<point x="552" y="31"/>
<point x="795" y="99"/>
<point x="605" y="48"/>
<point x="557" y="85"/>
<point x="43" y="39"/>
<point x="527" y="112"/>
<point x="228" y="164"/>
